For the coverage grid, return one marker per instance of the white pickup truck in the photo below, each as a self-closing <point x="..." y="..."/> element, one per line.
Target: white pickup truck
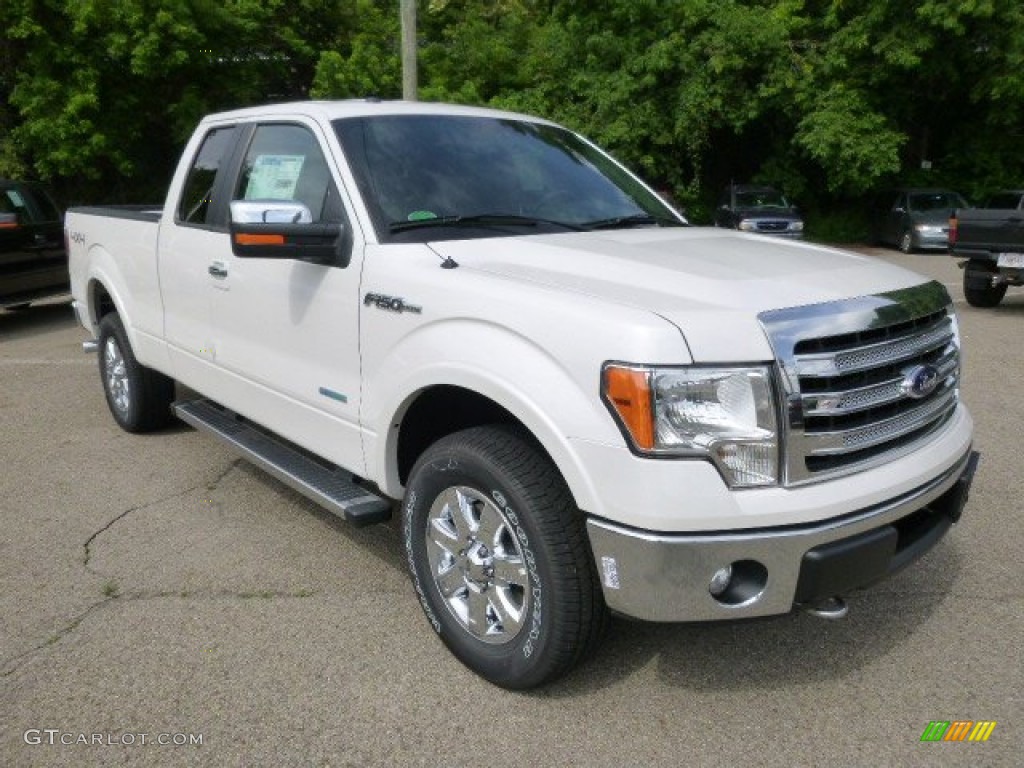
<point x="577" y="403"/>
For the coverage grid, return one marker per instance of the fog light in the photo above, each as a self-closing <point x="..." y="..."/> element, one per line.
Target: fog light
<point x="739" y="584"/>
<point x="720" y="581"/>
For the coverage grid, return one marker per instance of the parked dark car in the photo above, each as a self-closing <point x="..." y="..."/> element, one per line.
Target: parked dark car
<point x="914" y="219"/>
<point x="33" y="259"/>
<point x="761" y="209"/>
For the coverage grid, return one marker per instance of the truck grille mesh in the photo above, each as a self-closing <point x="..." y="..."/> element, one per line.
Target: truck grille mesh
<point x="865" y="379"/>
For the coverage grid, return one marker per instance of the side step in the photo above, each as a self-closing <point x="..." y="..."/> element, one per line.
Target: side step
<point x="331" y="487"/>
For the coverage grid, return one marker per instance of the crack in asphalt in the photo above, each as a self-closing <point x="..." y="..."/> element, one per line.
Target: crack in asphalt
<point x="10" y="665"/>
<point x="210" y="486"/>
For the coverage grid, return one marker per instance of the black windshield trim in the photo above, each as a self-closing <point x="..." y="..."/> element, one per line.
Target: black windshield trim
<point x="481" y="219"/>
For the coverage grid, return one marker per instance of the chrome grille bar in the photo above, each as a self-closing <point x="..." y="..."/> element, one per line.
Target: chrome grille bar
<point x="848" y="371"/>
<point x="876" y="355"/>
<point x="841" y="402"/>
<point x="877" y="433"/>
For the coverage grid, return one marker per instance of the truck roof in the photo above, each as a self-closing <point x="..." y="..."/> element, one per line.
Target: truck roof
<point x="333" y="110"/>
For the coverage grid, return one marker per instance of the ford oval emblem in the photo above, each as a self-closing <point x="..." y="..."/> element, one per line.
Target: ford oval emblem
<point x="920" y="381"/>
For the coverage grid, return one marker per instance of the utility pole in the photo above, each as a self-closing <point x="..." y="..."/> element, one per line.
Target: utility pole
<point x="409" y="76"/>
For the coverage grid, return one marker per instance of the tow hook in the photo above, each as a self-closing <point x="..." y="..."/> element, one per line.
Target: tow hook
<point x="830" y="608"/>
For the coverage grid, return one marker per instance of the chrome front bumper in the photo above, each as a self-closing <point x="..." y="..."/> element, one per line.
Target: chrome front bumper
<point x="658" y="577"/>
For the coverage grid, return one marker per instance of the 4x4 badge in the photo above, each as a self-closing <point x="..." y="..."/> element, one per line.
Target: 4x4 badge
<point x="390" y="303"/>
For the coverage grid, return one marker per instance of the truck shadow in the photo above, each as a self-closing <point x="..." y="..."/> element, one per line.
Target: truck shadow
<point x="766" y="654"/>
<point x="37" y="319"/>
<point x="1012" y="304"/>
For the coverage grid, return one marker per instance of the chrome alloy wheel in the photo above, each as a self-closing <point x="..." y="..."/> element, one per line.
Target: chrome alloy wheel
<point x="477" y="565"/>
<point x="116" y="372"/>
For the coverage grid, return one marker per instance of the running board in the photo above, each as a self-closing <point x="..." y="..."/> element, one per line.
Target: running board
<point x="331" y="487"/>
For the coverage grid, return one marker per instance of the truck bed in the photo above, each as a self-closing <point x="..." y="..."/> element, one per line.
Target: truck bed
<point x="983" y="232"/>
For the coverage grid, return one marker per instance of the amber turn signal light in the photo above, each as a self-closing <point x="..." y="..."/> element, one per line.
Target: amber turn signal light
<point x="628" y="391"/>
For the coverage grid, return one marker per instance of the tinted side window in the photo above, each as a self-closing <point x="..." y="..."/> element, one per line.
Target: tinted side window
<point x="13" y="201"/>
<point x="285" y="162"/>
<point x="194" y="206"/>
<point x="48" y="210"/>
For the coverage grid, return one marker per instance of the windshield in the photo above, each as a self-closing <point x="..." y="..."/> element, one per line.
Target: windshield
<point x="435" y="177"/>
<point x="761" y="198"/>
<point x="935" y="201"/>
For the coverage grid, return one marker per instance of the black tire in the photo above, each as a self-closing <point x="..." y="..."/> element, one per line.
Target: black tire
<point x="906" y="242"/>
<point x="139" y="398"/>
<point x="979" y="291"/>
<point x="538" y="610"/>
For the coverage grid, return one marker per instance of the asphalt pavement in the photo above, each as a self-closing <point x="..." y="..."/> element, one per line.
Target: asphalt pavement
<point x="163" y="603"/>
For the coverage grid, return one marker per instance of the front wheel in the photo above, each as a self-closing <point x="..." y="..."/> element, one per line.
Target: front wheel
<point x="906" y="243"/>
<point x="139" y="397"/>
<point x="499" y="559"/>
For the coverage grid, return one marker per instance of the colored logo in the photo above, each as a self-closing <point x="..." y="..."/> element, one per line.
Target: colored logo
<point x="958" y="730"/>
<point x="920" y="381"/>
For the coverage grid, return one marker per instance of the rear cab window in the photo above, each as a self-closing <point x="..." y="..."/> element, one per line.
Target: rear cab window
<point x="197" y="204"/>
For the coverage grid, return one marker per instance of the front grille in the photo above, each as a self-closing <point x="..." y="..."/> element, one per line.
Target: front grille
<point x="864" y="379"/>
<point x="772" y="226"/>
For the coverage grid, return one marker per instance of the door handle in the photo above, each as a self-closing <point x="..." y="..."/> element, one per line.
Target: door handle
<point x="218" y="269"/>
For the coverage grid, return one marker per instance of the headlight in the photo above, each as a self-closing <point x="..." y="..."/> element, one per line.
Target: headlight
<point x="796" y="226"/>
<point x="725" y="414"/>
<point x="746" y="225"/>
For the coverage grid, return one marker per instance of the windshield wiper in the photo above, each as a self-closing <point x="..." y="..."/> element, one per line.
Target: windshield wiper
<point x="485" y="219"/>
<point x="632" y="220"/>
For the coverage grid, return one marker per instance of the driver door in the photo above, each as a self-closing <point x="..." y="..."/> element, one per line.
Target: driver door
<point x="285" y="331"/>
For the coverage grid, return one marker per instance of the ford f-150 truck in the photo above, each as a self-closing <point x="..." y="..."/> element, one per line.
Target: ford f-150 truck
<point x="576" y="403"/>
<point x="991" y="242"/>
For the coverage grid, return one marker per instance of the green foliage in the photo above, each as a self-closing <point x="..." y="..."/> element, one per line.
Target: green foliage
<point x="825" y="98"/>
<point x="368" y="62"/>
<point x="842" y="134"/>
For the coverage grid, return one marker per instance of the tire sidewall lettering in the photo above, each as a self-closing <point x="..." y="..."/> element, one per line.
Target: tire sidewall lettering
<point x="410" y="508"/>
<point x="536" y="591"/>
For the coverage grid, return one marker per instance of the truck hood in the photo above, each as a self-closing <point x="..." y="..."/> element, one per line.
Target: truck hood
<point x="710" y="283"/>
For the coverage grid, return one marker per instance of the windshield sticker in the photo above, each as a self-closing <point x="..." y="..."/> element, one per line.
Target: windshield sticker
<point x="274" y="177"/>
<point x="421" y="216"/>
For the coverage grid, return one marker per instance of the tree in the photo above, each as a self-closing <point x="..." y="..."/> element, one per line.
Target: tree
<point x="105" y="92"/>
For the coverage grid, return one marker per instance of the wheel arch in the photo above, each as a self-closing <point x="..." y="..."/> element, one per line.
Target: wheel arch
<point x="437" y="410"/>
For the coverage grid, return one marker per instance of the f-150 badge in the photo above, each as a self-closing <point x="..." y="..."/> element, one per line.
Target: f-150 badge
<point x="390" y="303"/>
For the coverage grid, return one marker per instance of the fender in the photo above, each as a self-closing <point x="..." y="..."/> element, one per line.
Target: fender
<point x="518" y="374"/>
<point x="141" y="310"/>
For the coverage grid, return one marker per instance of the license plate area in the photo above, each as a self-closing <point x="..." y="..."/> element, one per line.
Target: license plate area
<point x="1012" y="260"/>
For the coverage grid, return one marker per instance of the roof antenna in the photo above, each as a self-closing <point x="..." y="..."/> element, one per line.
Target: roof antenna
<point x="449" y="263"/>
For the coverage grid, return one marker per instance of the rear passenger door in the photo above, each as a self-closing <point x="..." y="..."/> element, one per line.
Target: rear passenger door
<point x="193" y="241"/>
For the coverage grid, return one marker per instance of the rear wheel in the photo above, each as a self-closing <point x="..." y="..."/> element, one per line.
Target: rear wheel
<point x="499" y="558"/>
<point x="978" y="288"/>
<point x="139" y="397"/>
